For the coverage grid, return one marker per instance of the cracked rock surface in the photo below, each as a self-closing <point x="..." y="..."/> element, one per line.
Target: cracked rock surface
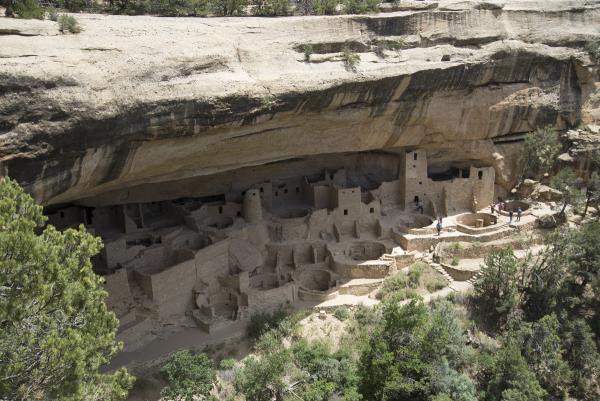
<point x="132" y="102"/>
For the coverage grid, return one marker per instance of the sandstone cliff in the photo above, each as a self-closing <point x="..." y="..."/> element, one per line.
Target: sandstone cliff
<point x="131" y="102"/>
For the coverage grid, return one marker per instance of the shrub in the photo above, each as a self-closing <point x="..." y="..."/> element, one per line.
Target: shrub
<point x="229" y="7"/>
<point x="455" y="247"/>
<point x="28" y="9"/>
<point x="68" y="23"/>
<point x="350" y="58"/>
<point x="267" y="102"/>
<point x="454" y="261"/>
<point x="74" y="6"/>
<point x="364" y="315"/>
<point x="261" y="379"/>
<point x="434" y="282"/>
<point x="52" y="14"/>
<point x="324" y="7"/>
<point x="188" y="376"/>
<point x="308" y="51"/>
<point x="393" y="284"/>
<point x="415" y="272"/>
<point x="593" y="49"/>
<point x="169" y="8"/>
<point x="260" y="323"/>
<point x="341" y="313"/>
<point x="271" y="8"/>
<point x="360" y="6"/>
<point x="381" y="45"/>
<point x="227" y="364"/>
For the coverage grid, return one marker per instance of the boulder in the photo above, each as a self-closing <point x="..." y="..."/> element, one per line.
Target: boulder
<point x="545" y="193"/>
<point x="551" y="220"/>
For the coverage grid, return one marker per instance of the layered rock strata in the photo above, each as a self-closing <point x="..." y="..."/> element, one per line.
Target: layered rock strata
<point x="137" y="109"/>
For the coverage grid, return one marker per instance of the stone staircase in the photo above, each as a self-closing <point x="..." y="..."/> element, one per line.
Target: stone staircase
<point x="475" y="276"/>
<point x="428" y="258"/>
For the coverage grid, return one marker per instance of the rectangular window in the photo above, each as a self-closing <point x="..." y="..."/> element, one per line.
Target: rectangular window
<point x="345" y="212"/>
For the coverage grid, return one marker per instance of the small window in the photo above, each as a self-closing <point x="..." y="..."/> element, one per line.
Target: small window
<point x="331" y="176"/>
<point x="297" y="189"/>
<point x="372" y="210"/>
<point x="414" y="166"/>
<point x="480" y="174"/>
<point x="262" y="189"/>
<point x="416" y="198"/>
<point x="253" y="193"/>
<point x="276" y="193"/>
<point x="345" y="212"/>
<point x="420" y="182"/>
<point x="220" y="209"/>
<point x="239" y="214"/>
<point x="243" y="193"/>
<point x="285" y="191"/>
<point x="415" y="156"/>
<point x="62" y="215"/>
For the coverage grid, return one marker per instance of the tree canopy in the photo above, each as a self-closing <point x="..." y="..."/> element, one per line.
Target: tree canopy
<point x="55" y="329"/>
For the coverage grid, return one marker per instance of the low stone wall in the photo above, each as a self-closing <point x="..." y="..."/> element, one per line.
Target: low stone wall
<point x="266" y="300"/>
<point x="359" y="289"/>
<point x="403" y="261"/>
<point x="417" y="231"/>
<point x="424" y="243"/>
<point x="514" y="205"/>
<point x="423" y="225"/>
<point x="478" y="231"/>
<point x="477" y="220"/>
<point x="312" y="295"/>
<point x="346" y="267"/>
<point x="470" y="251"/>
<point x="457" y="273"/>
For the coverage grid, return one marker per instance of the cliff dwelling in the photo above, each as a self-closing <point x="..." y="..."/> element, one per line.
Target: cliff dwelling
<point x="236" y="166"/>
<point x="283" y="238"/>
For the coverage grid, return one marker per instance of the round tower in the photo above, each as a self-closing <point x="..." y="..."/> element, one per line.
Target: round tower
<point x="252" y="206"/>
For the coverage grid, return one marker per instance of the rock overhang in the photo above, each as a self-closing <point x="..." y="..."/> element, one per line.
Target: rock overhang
<point x="164" y="100"/>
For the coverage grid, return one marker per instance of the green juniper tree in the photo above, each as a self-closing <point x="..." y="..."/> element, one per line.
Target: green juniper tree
<point x="542" y="146"/>
<point x="566" y="182"/>
<point x="55" y="329"/>
<point x="188" y="375"/>
<point x="496" y="289"/>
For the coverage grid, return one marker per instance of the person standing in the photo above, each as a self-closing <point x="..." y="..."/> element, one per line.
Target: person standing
<point x="438" y="226"/>
<point x="420" y="206"/>
<point x="519" y="213"/>
<point x="510" y="216"/>
<point x="492" y="208"/>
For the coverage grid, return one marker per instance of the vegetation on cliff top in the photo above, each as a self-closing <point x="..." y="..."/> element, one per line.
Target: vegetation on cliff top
<point x="200" y="8"/>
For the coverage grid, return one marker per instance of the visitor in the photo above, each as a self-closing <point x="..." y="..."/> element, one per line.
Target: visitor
<point x="510" y="216"/>
<point x="519" y="213"/>
<point x="492" y="206"/>
<point x="420" y="206"/>
<point x="438" y="226"/>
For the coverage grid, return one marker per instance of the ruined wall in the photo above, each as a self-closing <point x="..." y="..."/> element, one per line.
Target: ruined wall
<point x="472" y="186"/>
